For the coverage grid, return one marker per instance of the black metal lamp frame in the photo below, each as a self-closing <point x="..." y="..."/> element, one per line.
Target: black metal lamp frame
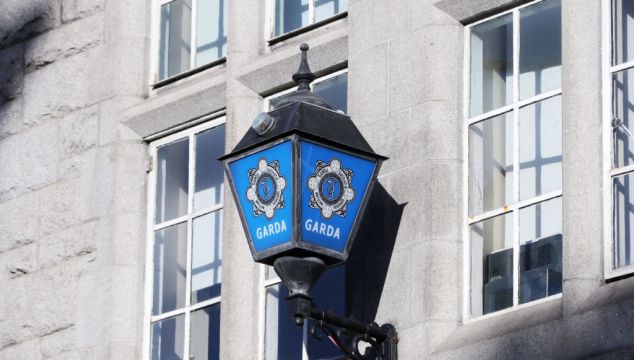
<point x="299" y="275"/>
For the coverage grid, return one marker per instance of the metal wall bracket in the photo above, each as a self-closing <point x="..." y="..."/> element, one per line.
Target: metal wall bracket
<point x="348" y="335"/>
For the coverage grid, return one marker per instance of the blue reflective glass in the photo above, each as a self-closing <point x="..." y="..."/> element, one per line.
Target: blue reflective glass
<point x="334" y="184"/>
<point x="205" y="333"/>
<point x="264" y="186"/>
<point x="283" y="338"/>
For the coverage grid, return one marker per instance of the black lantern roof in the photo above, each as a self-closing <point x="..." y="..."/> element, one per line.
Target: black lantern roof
<point x="307" y="114"/>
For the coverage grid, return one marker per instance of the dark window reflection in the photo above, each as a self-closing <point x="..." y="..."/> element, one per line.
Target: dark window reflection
<point x="290" y="15"/>
<point x="283" y="338"/>
<point x="175" y="46"/>
<point x="334" y="91"/>
<point x="623" y="219"/>
<point x="205" y="333"/>
<point x="329" y="293"/>
<point x="172" y="180"/>
<point x="168" y="341"/>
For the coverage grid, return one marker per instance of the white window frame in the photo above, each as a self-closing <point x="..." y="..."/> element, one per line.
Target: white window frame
<point x="156" y="40"/>
<point x="189" y="308"/>
<point x="270" y="20"/>
<point x="610" y="173"/>
<point x="265" y="283"/>
<point x="515" y="207"/>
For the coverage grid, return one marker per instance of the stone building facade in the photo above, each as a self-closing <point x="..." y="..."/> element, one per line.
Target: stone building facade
<point x="90" y="93"/>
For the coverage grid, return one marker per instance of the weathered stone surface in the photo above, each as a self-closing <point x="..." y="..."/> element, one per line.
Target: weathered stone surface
<point x="389" y="137"/>
<point x="12" y="74"/>
<point x="51" y="311"/>
<point x="19" y="261"/>
<point x="64" y="42"/>
<point x="66" y="204"/>
<point x="19" y="221"/>
<point x="67" y="244"/>
<point x="368" y="83"/>
<point x="25" y="351"/>
<point x="21" y="20"/>
<point x="436" y="268"/>
<point x="389" y="19"/>
<point x="51" y="93"/>
<point x="11" y="118"/>
<point x="78" y="131"/>
<point x="423" y="66"/>
<point x="433" y="130"/>
<point x="111" y="112"/>
<point x="76" y="9"/>
<point x="28" y="161"/>
<point x="58" y="343"/>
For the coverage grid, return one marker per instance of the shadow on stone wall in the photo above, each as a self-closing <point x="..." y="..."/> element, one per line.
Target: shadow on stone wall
<point x="371" y="254"/>
<point x="20" y="21"/>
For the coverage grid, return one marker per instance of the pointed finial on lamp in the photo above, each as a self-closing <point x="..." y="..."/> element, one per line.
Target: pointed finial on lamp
<point x="303" y="77"/>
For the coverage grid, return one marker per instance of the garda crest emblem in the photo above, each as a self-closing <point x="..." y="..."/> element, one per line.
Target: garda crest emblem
<point x="331" y="188"/>
<point x="265" y="188"/>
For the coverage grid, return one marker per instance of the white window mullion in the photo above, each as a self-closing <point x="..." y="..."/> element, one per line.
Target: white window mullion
<point x="194" y="48"/>
<point x="608" y="253"/>
<point x="311" y="12"/>
<point x="190" y="206"/>
<point x="516" y="154"/>
<point x="466" y="272"/>
<point x="262" y="312"/>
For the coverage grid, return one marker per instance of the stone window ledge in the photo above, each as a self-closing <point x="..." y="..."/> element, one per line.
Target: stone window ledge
<point x="179" y="107"/>
<point x="503" y="322"/>
<point x="469" y="11"/>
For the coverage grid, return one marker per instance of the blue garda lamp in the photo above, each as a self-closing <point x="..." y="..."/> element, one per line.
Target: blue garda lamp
<point x="301" y="177"/>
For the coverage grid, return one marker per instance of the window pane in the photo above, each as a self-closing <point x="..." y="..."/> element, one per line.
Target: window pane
<point x="175" y="42"/>
<point x="334" y="91"/>
<point x="491" y="265"/>
<point x="172" y="180"/>
<point x="540" y="148"/>
<point x="170" y="262"/>
<point x="209" y="187"/>
<point x="490" y="164"/>
<point x="211" y="31"/>
<point x="622" y="31"/>
<point x="269" y="273"/>
<point x="283" y="339"/>
<point x="168" y="341"/>
<point x="205" y="333"/>
<point x="491" y="65"/>
<point x="623" y="112"/>
<point x="206" y="257"/>
<point x="330" y="293"/>
<point x="540" y="250"/>
<point x="290" y="15"/>
<point x="274" y="102"/>
<point x="623" y="218"/>
<point x="327" y="8"/>
<point x="540" y="48"/>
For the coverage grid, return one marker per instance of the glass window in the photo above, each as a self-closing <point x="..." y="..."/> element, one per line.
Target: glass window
<point x="622" y="31"/>
<point x="294" y="14"/>
<point x="184" y="23"/>
<point x="514" y="124"/>
<point x="333" y="89"/>
<point x="282" y="339"/>
<point x="540" y="49"/>
<point x="619" y="139"/>
<point x="491" y="65"/>
<point x="491" y="164"/>
<point x="187" y="244"/>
